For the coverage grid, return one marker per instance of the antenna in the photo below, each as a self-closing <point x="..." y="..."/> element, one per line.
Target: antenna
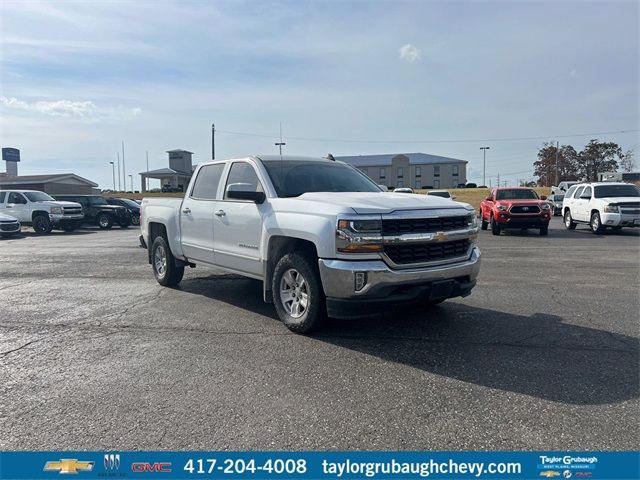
<point x="280" y="143"/>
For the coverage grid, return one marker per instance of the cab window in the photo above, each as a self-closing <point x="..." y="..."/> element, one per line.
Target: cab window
<point x="578" y="192"/>
<point x="207" y="181"/>
<point x="243" y="173"/>
<point x="587" y="191"/>
<point x="16" y="198"/>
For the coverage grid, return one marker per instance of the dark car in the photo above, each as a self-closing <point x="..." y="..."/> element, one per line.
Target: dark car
<point x="131" y="205"/>
<point x="98" y="212"/>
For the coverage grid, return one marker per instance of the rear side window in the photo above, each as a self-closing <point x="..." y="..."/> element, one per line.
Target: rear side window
<point x="570" y="192"/>
<point x="2" y="195"/>
<point x="587" y="191"/>
<point x="578" y="192"/>
<point x="16" y="198"/>
<point x="243" y="173"/>
<point x="207" y="181"/>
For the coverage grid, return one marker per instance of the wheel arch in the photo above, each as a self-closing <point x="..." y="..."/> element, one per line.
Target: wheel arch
<point x="39" y="213"/>
<point x="277" y="246"/>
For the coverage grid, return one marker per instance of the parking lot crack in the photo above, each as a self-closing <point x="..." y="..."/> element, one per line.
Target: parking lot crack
<point x="4" y="354"/>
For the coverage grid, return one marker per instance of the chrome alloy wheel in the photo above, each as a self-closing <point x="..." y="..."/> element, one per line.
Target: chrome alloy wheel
<point x="160" y="261"/>
<point x="294" y="293"/>
<point x="104" y="221"/>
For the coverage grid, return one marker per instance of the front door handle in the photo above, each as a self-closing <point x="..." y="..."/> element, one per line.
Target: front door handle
<point x="186" y="211"/>
<point x="220" y="213"/>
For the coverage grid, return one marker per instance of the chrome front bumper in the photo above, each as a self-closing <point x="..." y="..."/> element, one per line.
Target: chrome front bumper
<point x="339" y="276"/>
<point x="57" y="217"/>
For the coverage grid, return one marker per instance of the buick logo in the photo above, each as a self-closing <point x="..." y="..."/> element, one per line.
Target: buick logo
<point x="112" y="461"/>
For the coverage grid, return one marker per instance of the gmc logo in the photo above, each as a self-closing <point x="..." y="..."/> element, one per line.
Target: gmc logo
<point x="140" y="467"/>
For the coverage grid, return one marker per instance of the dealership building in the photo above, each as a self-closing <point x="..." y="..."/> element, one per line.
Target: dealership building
<point x="416" y="170"/>
<point x="178" y="174"/>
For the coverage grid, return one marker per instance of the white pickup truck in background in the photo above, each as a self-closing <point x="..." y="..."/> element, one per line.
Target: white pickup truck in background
<point x="320" y="235"/>
<point x="41" y="210"/>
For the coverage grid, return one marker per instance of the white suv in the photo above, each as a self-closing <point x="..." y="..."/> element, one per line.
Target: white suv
<point x="602" y="205"/>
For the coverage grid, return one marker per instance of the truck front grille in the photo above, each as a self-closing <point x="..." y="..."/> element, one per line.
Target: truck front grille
<point x="525" y="209"/>
<point x="399" y="226"/>
<point x="72" y="210"/>
<point x="426" y="252"/>
<point x="629" y="208"/>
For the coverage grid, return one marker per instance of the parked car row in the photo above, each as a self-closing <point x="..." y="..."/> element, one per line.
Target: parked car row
<point x="45" y="213"/>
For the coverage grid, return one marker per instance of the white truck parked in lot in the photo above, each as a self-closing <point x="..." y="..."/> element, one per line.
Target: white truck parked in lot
<point x="40" y="210"/>
<point x="602" y="205"/>
<point x="320" y="235"/>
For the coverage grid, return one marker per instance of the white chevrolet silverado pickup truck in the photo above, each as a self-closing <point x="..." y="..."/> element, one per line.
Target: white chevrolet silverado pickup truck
<point x="40" y="210"/>
<point x="319" y="234"/>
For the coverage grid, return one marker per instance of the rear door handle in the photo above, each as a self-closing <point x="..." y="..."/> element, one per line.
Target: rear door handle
<point x="220" y="213"/>
<point x="186" y="211"/>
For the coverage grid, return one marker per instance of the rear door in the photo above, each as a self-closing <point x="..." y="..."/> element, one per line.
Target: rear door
<point x="17" y="206"/>
<point x="196" y="214"/>
<point x="577" y="205"/>
<point x="238" y="224"/>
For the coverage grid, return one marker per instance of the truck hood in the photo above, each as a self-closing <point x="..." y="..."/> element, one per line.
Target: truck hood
<point x="620" y="199"/>
<point x="524" y="201"/>
<point x="59" y="203"/>
<point x="7" y="218"/>
<point x="374" y="203"/>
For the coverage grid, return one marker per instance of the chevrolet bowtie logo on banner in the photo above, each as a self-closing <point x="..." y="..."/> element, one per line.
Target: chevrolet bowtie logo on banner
<point x="68" y="466"/>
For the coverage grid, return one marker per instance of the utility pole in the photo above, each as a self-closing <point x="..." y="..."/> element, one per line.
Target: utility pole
<point x="113" y="170"/>
<point x="484" y="164"/>
<point x="146" y="177"/>
<point x="119" y="178"/>
<point x="124" y="174"/>
<point x="557" y="149"/>
<point x="280" y="143"/>
<point x="498" y="179"/>
<point x="213" y="141"/>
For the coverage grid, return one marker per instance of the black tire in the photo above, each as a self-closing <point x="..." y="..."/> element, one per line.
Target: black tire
<point x="495" y="228"/>
<point x="596" y="224"/>
<point x="165" y="270"/>
<point x="544" y="230"/>
<point x="568" y="220"/>
<point x="104" y="221"/>
<point x="483" y="223"/>
<point x="135" y="220"/>
<point x="303" y="284"/>
<point x="42" y="225"/>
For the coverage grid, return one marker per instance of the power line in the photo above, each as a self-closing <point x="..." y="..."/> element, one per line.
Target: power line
<point x="506" y="139"/>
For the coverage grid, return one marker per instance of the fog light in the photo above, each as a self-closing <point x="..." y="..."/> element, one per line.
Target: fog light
<point x="361" y="280"/>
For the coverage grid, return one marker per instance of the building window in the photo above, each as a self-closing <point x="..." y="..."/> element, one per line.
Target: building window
<point x="436" y="183"/>
<point x="455" y="170"/>
<point x="418" y="184"/>
<point x="400" y="184"/>
<point x="418" y="172"/>
<point x="382" y="173"/>
<point x="436" y="171"/>
<point x="400" y="175"/>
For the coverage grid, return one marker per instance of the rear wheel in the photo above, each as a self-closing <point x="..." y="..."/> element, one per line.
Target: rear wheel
<point x="42" y="224"/>
<point x="165" y="270"/>
<point x="596" y="224"/>
<point x="568" y="220"/>
<point x="297" y="293"/>
<point x="104" y="221"/>
<point x="495" y="228"/>
<point x="483" y="223"/>
<point x="135" y="220"/>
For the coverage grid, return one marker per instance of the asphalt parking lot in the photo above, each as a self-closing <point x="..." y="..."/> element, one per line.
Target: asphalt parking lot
<point x="94" y="354"/>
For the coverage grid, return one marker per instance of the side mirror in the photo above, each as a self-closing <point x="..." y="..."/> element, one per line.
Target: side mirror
<point x="543" y="197"/>
<point x="245" y="191"/>
<point x="453" y="197"/>
<point x="489" y="198"/>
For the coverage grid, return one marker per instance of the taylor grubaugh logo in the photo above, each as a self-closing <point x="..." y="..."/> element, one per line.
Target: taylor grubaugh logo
<point x="68" y="465"/>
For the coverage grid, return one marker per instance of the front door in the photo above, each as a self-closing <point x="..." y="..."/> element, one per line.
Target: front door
<point x="196" y="214"/>
<point x="18" y="207"/>
<point x="238" y="224"/>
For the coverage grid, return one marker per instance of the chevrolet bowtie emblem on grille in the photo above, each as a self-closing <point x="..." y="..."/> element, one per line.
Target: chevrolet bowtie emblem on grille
<point x="68" y="466"/>
<point x="439" y="237"/>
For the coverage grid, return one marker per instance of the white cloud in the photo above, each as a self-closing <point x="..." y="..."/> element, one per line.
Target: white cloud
<point x="410" y="53"/>
<point x="68" y="108"/>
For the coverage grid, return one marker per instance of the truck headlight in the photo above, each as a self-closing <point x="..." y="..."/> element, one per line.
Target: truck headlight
<point x="56" y="210"/>
<point x="611" y="209"/>
<point x="359" y="236"/>
<point x="502" y="208"/>
<point x="545" y="206"/>
<point x="472" y="221"/>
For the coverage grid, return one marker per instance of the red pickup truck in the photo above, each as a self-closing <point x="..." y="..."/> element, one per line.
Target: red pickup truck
<point x="512" y="208"/>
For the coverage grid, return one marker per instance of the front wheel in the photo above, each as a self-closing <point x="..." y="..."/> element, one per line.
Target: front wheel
<point x="42" y="225"/>
<point x="167" y="273"/>
<point x="568" y="220"/>
<point x="297" y="293"/>
<point x="495" y="228"/>
<point x="104" y="221"/>
<point x="544" y="230"/>
<point x="483" y="223"/>
<point x="596" y="224"/>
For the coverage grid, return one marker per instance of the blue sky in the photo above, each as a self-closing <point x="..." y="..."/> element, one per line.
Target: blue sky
<point x="77" y="78"/>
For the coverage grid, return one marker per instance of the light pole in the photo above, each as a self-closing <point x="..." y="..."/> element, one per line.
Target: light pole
<point x="119" y="177"/>
<point x="484" y="164"/>
<point x="280" y="143"/>
<point x="131" y="179"/>
<point x="113" y="170"/>
<point x="147" y="178"/>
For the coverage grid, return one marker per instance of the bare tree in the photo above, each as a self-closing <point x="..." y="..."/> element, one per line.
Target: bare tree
<point x="628" y="161"/>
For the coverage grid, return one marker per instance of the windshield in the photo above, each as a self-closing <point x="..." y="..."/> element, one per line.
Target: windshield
<point x="97" y="201"/>
<point x="292" y="178"/>
<point x="440" y="194"/>
<point x="628" y="190"/>
<point x="129" y="203"/>
<point x="38" y="196"/>
<point x="516" y="194"/>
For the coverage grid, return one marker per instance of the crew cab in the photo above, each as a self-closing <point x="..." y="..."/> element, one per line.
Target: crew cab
<point x="602" y="205"/>
<point x="319" y="234"/>
<point x="40" y="210"/>
<point x="98" y="212"/>
<point x="515" y="208"/>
